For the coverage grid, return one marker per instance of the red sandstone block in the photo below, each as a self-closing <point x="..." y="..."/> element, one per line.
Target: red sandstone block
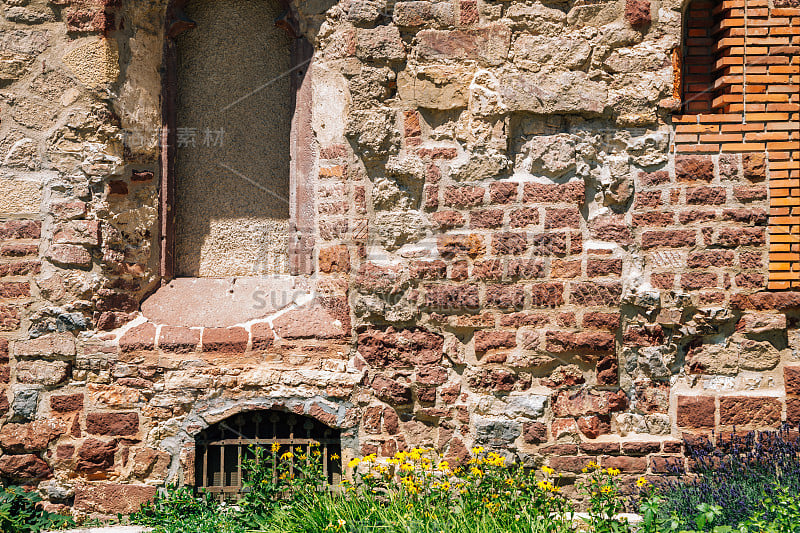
<point x="20" y="268"/>
<point x="607" y="321"/>
<point x="696" y="411"/>
<point x="653" y="218"/>
<point x="178" y="339"/>
<point x="112" y="498"/>
<point x="584" y="342"/>
<point x="669" y="238"/>
<point x="488" y="269"/>
<point x="735" y="237"/>
<point x="225" y="340"/>
<point x="793" y="410"/>
<point x="600" y="448"/>
<point x="334" y="259"/>
<point x="463" y="196"/>
<point x="603" y="267"/>
<point x="791" y="379"/>
<point x="624" y="463"/>
<point x="646" y="335"/>
<point x="562" y="218"/>
<point x="690" y="168"/>
<point x="692" y="281"/>
<point x="705" y="195"/>
<point x="486" y="218"/>
<point x="70" y="254"/>
<point x="20" y="229"/>
<point x="749" y="411"/>
<point x="78" y="232"/>
<point x="572" y="192"/>
<point x="665" y="464"/>
<point x="505" y="296"/>
<point x="66" y="403"/>
<point x="641" y="448"/>
<point x="15" y="289"/>
<point x="648" y="199"/>
<point x="141" y="337"/>
<point x="489" y="340"/>
<point x="123" y="424"/>
<point x="504" y="192"/>
<point x="509" y="243"/>
<point x="570" y="464"/>
<point x="606" y="294"/>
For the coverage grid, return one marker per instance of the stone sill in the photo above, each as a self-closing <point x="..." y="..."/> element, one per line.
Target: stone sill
<point x="223" y="302"/>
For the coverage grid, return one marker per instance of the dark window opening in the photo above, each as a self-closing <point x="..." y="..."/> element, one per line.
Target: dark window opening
<point x="710" y="75"/>
<point x="221" y="448"/>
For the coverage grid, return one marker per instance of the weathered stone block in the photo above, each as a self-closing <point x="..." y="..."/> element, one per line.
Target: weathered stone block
<point x="112" y="498"/>
<point x="750" y="411"/>
<point x="26" y="467"/>
<point x="435" y="87"/>
<point x="791" y="379"/>
<point x="52" y="345"/>
<point x="42" y="372"/>
<point x="696" y="411"/>
<point x="70" y="255"/>
<point x="382" y="43"/>
<point x="487" y="45"/>
<point x="31" y="437"/>
<point x="553" y="93"/>
<point x="112" y="423"/>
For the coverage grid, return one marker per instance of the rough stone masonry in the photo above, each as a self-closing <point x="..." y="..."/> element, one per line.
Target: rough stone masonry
<point x="566" y="229"/>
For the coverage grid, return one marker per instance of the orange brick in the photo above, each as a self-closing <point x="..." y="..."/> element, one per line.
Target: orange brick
<point x="744" y="147"/>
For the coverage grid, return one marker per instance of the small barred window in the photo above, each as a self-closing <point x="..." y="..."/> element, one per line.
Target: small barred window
<point x="221" y="448"/>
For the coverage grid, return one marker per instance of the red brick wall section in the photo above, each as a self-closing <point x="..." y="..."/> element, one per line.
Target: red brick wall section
<point x="755" y="111"/>
<point x="699" y="73"/>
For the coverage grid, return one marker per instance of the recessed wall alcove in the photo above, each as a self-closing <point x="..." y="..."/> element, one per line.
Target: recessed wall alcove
<point x="237" y="215"/>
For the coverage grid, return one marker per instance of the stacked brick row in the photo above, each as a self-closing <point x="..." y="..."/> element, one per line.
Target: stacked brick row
<point x="755" y="109"/>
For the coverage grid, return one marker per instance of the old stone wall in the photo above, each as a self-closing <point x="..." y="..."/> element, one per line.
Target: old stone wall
<point x="516" y="237"/>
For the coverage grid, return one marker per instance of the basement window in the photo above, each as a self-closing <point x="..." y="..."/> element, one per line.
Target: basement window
<point x="221" y="448"/>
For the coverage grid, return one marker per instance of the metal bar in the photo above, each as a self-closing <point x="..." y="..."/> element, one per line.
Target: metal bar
<point x="239" y="457"/>
<point x="266" y="442"/>
<point x="205" y="467"/>
<point x="222" y="464"/>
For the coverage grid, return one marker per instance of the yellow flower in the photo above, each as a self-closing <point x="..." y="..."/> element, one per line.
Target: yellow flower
<point x="642" y="482"/>
<point x="613" y="471"/>
<point x="354" y="462"/>
<point x="476" y="471"/>
<point x="334" y="457"/>
<point x="509" y="481"/>
<point x="275" y="447"/>
<point x="548" y="471"/>
<point x="477" y="449"/>
<point x="369" y="458"/>
<point x="591" y="466"/>
<point x="286" y="456"/>
<point x="303" y="457"/>
<point x="443" y="466"/>
<point x="606" y="489"/>
<point x="341" y="523"/>
<point x="406" y="467"/>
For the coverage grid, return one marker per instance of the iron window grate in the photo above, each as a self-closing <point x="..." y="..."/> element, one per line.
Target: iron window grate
<point x="221" y="448"/>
